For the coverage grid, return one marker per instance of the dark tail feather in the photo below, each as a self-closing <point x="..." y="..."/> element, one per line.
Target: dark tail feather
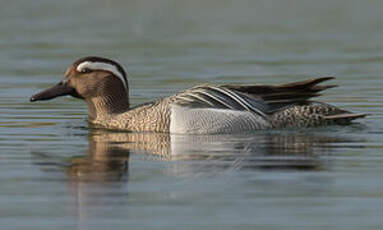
<point x="286" y="93"/>
<point x="306" y="84"/>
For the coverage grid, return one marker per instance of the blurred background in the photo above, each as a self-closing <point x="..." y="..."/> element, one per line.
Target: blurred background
<point x="57" y="172"/>
<point x="192" y="41"/>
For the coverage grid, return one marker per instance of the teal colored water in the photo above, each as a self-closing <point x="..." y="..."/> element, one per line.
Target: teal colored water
<point x="56" y="172"/>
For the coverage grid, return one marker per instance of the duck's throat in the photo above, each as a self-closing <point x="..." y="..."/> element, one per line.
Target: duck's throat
<point x="106" y="106"/>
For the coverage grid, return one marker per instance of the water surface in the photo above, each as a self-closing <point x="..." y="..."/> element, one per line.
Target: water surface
<point x="57" y="172"/>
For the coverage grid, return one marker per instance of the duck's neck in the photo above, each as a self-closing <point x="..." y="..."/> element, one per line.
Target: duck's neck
<point x="115" y="102"/>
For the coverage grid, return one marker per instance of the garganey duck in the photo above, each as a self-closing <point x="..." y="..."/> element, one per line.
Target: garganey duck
<point x="203" y="109"/>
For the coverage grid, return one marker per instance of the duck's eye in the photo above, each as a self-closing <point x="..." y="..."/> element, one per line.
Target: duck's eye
<point x="86" y="70"/>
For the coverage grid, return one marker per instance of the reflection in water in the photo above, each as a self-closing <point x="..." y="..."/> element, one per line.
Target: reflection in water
<point x="96" y="177"/>
<point x="105" y="162"/>
<point x="109" y="151"/>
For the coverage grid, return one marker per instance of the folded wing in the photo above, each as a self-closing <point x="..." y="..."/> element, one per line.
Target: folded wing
<point x="260" y="99"/>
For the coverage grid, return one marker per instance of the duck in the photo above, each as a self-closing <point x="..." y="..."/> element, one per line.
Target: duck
<point x="203" y="109"/>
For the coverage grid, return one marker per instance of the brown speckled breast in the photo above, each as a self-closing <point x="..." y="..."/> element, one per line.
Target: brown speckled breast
<point x="151" y="117"/>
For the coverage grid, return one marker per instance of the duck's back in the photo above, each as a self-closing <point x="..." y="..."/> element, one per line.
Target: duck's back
<point x="209" y="109"/>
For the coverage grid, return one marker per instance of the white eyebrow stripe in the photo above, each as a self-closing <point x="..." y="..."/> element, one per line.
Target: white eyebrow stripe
<point x="102" y="66"/>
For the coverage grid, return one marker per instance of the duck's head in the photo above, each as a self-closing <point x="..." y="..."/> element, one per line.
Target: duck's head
<point x="101" y="82"/>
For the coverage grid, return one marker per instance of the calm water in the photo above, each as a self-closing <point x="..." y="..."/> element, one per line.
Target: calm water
<point x="58" y="173"/>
